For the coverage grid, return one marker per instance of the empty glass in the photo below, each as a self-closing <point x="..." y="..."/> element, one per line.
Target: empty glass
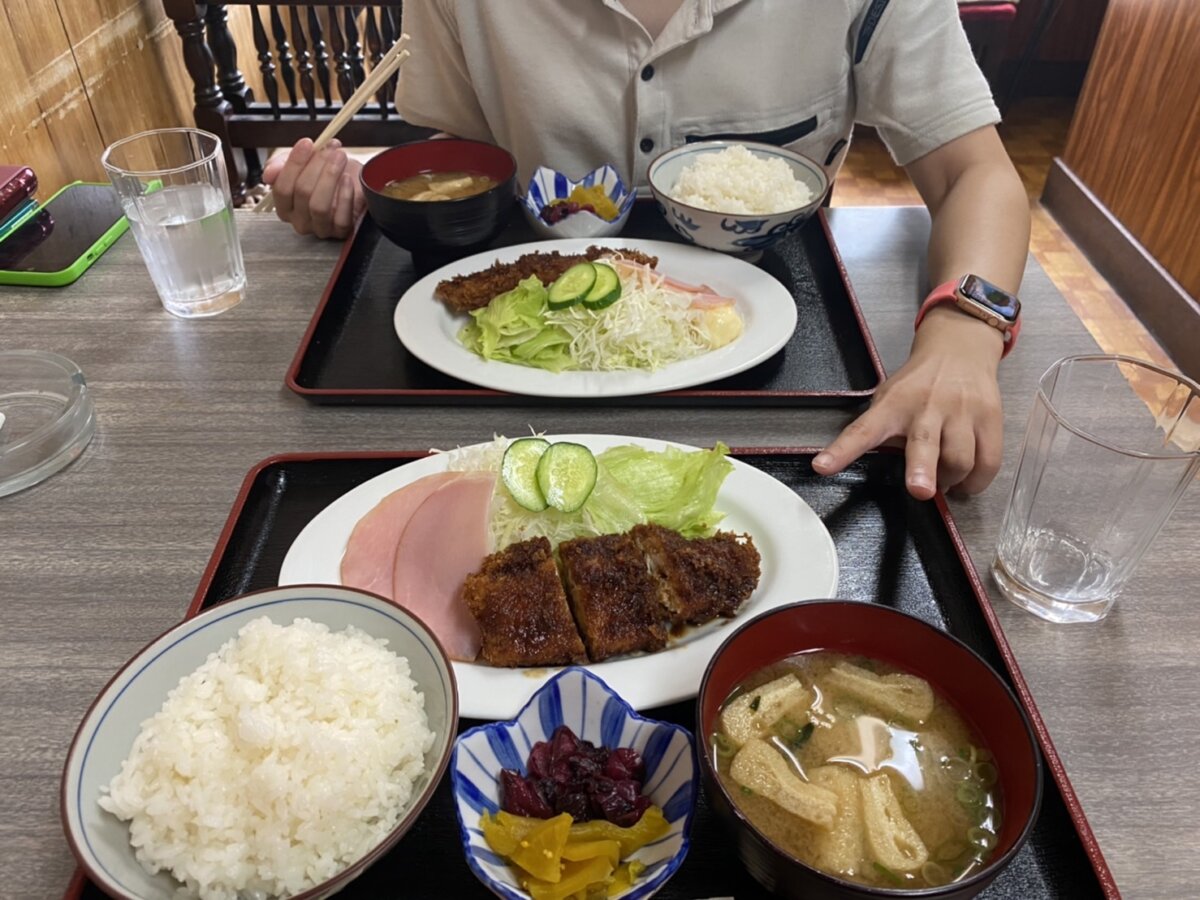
<point x="173" y="187"/>
<point x="1111" y="445"/>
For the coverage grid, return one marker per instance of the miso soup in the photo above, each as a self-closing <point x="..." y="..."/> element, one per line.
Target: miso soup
<point x="860" y="770"/>
<point x="439" y="186"/>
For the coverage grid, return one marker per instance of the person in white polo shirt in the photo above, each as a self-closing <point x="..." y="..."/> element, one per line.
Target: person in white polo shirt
<point x="578" y="83"/>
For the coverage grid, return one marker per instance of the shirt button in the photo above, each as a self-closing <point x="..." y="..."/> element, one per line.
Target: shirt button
<point x="647" y="73"/>
<point x="647" y="145"/>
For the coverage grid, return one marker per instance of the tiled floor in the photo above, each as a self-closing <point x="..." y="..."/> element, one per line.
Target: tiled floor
<point x="1034" y="132"/>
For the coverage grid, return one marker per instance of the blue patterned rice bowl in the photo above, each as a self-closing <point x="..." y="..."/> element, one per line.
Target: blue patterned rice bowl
<point x="733" y="232"/>
<point x="577" y="698"/>
<point x="547" y="185"/>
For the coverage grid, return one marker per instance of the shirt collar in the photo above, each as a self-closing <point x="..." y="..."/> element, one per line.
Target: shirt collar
<point x="696" y="20"/>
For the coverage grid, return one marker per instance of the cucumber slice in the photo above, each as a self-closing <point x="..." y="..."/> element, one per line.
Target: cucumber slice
<point x="518" y="471"/>
<point x="572" y="285"/>
<point x="607" y="289"/>
<point x="566" y="474"/>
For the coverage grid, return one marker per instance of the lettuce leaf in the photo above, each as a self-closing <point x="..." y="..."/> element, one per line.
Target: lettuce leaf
<point x="513" y="329"/>
<point x="673" y="488"/>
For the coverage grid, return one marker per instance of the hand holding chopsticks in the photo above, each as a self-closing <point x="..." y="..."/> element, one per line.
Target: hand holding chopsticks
<point x="378" y="76"/>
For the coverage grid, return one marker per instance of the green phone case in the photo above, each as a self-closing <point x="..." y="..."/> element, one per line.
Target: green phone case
<point x="77" y="268"/>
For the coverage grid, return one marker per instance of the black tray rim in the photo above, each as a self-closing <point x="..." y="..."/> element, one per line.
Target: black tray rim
<point x="367" y="395"/>
<point x="1054" y="763"/>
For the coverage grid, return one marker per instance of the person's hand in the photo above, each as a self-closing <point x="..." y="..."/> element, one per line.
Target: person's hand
<point x="318" y="192"/>
<point x="943" y="406"/>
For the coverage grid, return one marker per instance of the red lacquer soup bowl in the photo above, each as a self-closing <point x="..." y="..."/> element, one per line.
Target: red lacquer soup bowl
<point x="956" y="673"/>
<point x="441" y="225"/>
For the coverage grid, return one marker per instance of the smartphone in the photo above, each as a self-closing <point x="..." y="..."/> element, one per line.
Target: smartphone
<point x="58" y="242"/>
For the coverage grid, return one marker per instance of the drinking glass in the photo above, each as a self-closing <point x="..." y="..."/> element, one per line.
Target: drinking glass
<point x="173" y="187"/>
<point x="1111" y="445"/>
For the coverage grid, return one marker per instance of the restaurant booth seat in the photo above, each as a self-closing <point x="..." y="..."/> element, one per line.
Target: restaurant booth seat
<point x="313" y="57"/>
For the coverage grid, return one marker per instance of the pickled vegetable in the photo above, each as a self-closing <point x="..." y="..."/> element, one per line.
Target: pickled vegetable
<point x="650" y="827"/>
<point x="555" y="860"/>
<point x="540" y="852"/>
<point x="575" y="877"/>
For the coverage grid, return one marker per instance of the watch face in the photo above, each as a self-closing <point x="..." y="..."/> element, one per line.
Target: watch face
<point x="998" y="301"/>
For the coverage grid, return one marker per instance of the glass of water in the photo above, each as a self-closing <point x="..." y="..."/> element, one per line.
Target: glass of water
<point x="173" y="187"/>
<point x="1111" y="445"/>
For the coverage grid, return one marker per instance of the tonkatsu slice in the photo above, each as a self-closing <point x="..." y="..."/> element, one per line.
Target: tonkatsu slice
<point x="702" y="578"/>
<point x="613" y="595"/>
<point x="517" y="598"/>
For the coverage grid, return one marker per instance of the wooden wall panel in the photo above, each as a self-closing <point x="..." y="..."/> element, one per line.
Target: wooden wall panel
<point x="1136" y="130"/>
<point x="45" y="120"/>
<point x="129" y="58"/>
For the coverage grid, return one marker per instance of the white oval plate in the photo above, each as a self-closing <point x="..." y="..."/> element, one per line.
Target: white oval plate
<point x="799" y="562"/>
<point x="429" y="331"/>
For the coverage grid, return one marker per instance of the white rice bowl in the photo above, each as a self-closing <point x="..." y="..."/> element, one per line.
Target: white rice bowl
<point x="287" y="756"/>
<point x="736" y="181"/>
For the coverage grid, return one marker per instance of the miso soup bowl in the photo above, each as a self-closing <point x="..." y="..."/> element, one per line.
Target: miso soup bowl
<point x="956" y="673"/>
<point x="444" y="227"/>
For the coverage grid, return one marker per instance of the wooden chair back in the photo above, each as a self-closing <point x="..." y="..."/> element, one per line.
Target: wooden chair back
<point x="311" y="58"/>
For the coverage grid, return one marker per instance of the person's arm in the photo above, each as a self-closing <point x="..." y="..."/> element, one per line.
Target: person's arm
<point x="943" y="404"/>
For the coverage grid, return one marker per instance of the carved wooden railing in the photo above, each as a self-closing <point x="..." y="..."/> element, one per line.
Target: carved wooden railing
<point x="311" y="58"/>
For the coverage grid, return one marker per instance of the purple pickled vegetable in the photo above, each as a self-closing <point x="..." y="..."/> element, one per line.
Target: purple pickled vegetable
<point x="519" y="796"/>
<point x="570" y="775"/>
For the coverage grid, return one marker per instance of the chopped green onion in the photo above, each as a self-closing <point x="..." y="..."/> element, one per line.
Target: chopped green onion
<point x="981" y="838"/>
<point x="970" y="794"/>
<point x="803" y="735"/>
<point x="958" y="769"/>
<point x="723" y="745"/>
<point x="950" y="851"/>
<point x="889" y="875"/>
<point x="755" y="703"/>
<point x="987" y="773"/>
<point x="746" y="790"/>
<point x="934" y="874"/>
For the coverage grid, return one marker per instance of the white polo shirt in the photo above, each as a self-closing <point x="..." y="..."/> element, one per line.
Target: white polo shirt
<point x="574" y="84"/>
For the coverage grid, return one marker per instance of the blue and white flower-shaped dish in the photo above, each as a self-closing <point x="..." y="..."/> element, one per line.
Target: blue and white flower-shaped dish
<point x="576" y="698"/>
<point x="547" y="185"/>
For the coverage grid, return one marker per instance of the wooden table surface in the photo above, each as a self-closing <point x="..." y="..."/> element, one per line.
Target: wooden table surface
<point x="106" y="554"/>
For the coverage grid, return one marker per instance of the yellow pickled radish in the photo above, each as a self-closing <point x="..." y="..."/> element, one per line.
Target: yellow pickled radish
<point x="581" y="850"/>
<point x="540" y="851"/>
<point x="574" y="877"/>
<point x="650" y="827"/>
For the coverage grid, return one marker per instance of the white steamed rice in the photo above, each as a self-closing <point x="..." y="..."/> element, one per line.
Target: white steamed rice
<point x="288" y="755"/>
<point x="734" y="180"/>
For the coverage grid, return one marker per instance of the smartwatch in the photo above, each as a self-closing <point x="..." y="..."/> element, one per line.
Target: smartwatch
<point x="981" y="299"/>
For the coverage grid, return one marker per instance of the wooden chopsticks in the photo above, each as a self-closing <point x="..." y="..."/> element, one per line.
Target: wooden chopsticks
<point x="387" y="66"/>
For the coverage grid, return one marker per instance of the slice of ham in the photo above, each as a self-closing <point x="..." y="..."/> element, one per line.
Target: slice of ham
<point x="369" y="563"/>
<point x="446" y="539"/>
<point x="702" y="296"/>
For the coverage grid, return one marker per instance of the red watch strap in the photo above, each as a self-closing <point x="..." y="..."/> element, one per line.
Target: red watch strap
<point x="948" y="293"/>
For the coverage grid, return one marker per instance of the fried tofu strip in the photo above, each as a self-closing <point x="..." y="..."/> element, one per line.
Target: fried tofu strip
<point x="890" y="837"/>
<point x="752" y="714"/>
<point x="761" y="769"/>
<point x="902" y="696"/>
<point x="840" y="850"/>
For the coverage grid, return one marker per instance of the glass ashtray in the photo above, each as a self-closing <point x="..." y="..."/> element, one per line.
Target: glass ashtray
<point x="46" y="416"/>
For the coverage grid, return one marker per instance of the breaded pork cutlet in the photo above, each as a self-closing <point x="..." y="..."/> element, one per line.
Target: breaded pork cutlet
<point x="463" y="293"/>
<point x="613" y="595"/>
<point x="703" y="578"/>
<point x="518" y="601"/>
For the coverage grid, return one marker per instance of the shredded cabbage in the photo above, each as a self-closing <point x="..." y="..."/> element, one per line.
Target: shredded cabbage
<point x="673" y="488"/>
<point x="651" y="326"/>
